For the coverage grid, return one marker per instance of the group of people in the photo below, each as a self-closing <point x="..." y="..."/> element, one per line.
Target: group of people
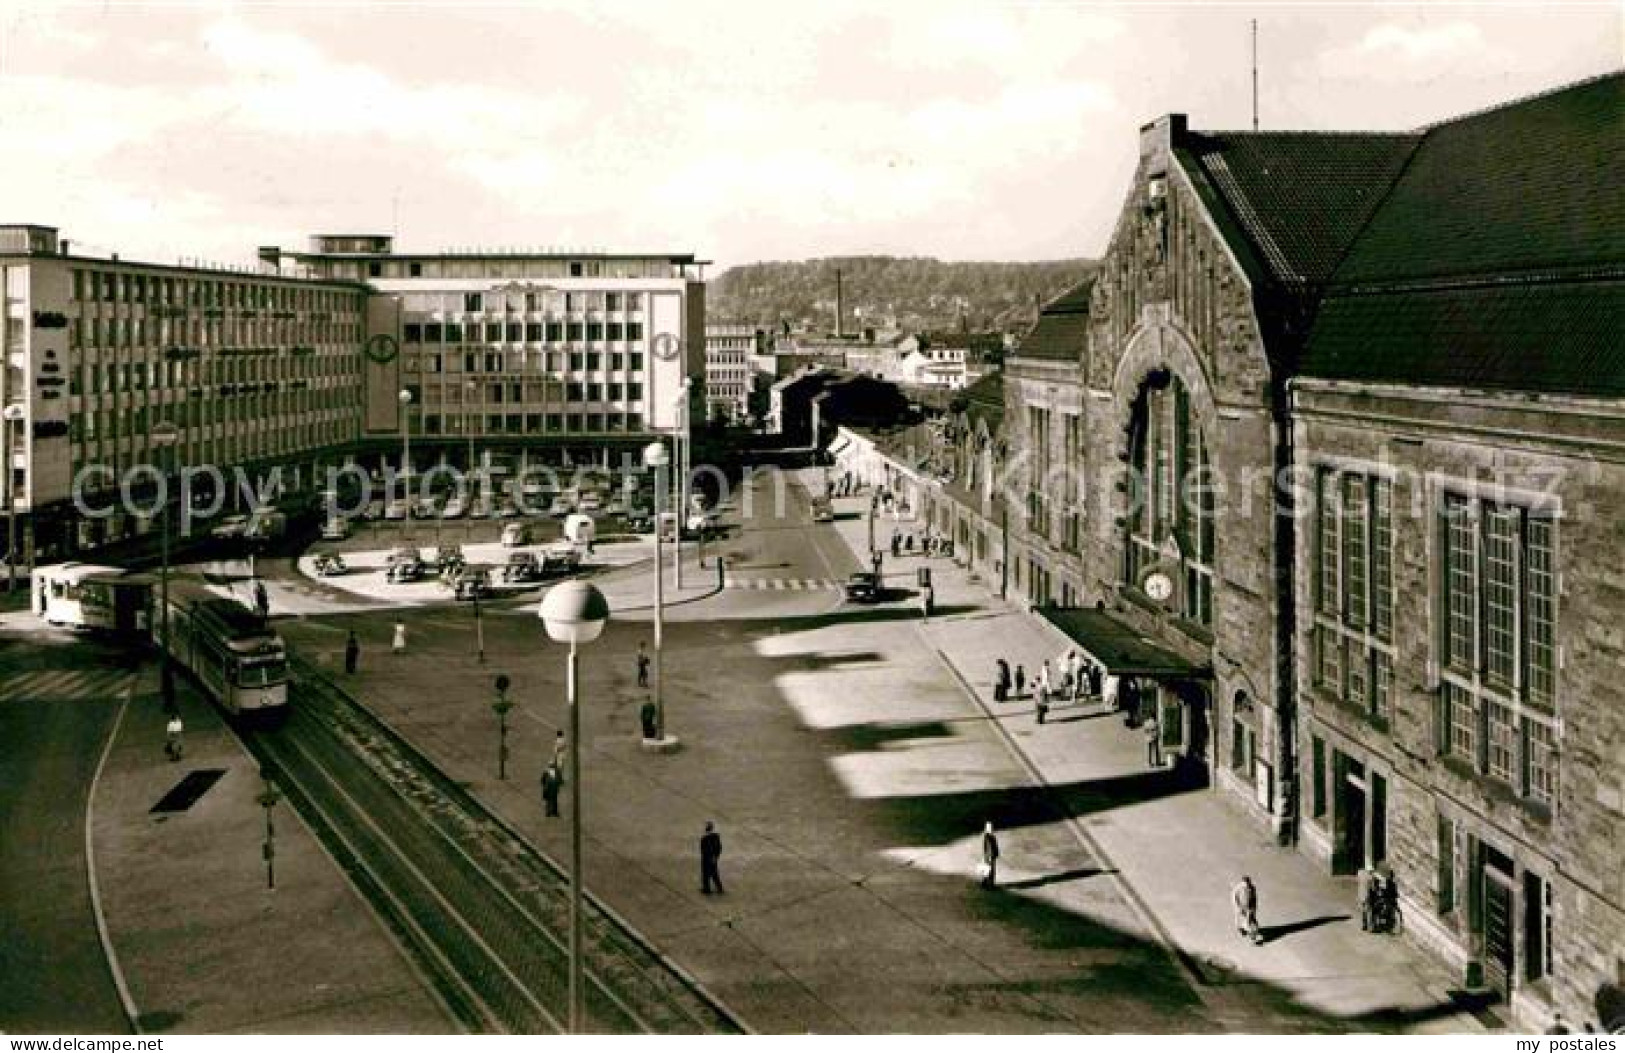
<point x="1071" y="676"/>
<point x="930" y="544"/>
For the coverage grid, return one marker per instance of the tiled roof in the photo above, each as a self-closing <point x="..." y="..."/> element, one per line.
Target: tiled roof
<point x="1300" y="198"/>
<point x="1528" y="188"/>
<point x="984" y="400"/>
<point x="1546" y="337"/>
<point x="1062" y="332"/>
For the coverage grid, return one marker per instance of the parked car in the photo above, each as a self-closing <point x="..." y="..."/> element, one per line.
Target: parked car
<point x="823" y="510"/>
<point x="522" y="566"/>
<point x="561" y="557"/>
<point x="456" y="508"/>
<point x="329" y="564"/>
<point x="396" y="509"/>
<point x="640" y="521"/>
<point x="507" y="510"/>
<point x="403" y="554"/>
<point x="425" y="508"/>
<point x="266" y="526"/>
<point x="863" y="587"/>
<point x="590" y="503"/>
<point x="472" y="585"/>
<point x="704" y="523"/>
<point x="480" y="508"/>
<point x="230" y="528"/>
<point x="560" y="507"/>
<point x="407" y="570"/>
<point x="516" y="534"/>
<point x="373" y="511"/>
<point x="447" y="555"/>
<point x="335" y="529"/>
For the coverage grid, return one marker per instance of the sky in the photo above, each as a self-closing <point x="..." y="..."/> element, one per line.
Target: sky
<point x="736" y="131"/>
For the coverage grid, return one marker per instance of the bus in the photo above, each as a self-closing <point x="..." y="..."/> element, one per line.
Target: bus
<point x="231" y="651"/>
<point x="86" y="597"/>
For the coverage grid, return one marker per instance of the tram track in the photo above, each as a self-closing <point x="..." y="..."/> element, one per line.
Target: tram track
<point x="482" y="912"/>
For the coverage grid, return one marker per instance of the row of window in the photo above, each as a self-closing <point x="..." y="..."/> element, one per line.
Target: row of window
<point x="207" y="332"/>
<point x="240" y="408"/>
<point x="114" y="377"/>
<point x="124" y="287"/>
<point x="548" y="301"/>
<point x="521" y="361"/>
<point x="496" y="267"/>
<point x="515" y="391"/>
<point x="532" y="423"/>
<point x="552" y="332"/>
<point x="1171" y="516"/>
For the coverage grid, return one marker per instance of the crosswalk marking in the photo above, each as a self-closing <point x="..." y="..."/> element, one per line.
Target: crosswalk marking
<point x="65" y="685"/>
<point x="784" y="584"/>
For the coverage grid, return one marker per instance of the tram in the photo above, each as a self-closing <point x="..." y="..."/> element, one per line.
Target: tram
<point x="231" y="651"/>
<point x="85" y="597"/>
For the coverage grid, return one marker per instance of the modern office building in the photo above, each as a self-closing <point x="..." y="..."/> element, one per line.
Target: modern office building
<point x="529" y="355"/>
<point x="253" y="370"/>
<point x="728" y="350"/>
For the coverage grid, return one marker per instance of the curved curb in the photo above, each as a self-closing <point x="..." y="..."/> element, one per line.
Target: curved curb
<point x="102" y="933"/>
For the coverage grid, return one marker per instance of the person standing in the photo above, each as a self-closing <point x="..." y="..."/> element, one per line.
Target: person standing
<point x="1109" y="691"/>
<point x="1001" y="681"/>
<point x="352" y="653"/>
<point x="896" y="545"/>
<point x="1244" y="897"/>
<point x="262" y="600"/>
<point x="397" y="646"/>
<point x="551" y="783"/>
<point x="1368" y="899"/>
<point x="1153" y="742"/>
<point x="1021" y="680"/>
<point x="643" y="666"/>
<point x="561" y="750"/>
<point x="990" y="856"/>
<point x="172" y="737"/>
<point x="710" y="860"/>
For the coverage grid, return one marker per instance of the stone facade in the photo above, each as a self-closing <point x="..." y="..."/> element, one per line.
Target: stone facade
<point x="1445" y="813"/>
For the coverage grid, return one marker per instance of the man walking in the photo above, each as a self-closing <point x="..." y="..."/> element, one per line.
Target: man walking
<point x="990" y="856"/>
<point x="710" y="857"/>
<point x="643" y="666"/>
<point x="352" y="653"/>
<point x="560" y="752"/>
<point x="1244" y="897"/>
<point x="397" y="646"/>
<point x="1153" y="742"/>
<point x="172" y="737"/>
<point x="551" y="782"/>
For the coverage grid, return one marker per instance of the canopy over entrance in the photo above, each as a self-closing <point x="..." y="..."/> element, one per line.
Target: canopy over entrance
<point x="1121" y="648"/>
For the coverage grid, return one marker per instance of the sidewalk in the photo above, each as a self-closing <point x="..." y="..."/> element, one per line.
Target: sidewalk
<point x="204" y="946"/>
<point x="1177" y="852"/>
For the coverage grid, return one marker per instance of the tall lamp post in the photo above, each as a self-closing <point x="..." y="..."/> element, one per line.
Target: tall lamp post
<point x="502" y="705"/>
<point x="164" y="435"/>
<point x="680" y="494"/>
<point x="656" y="459"/>
<point x="268" y="799"/>
<point x="574" y="613"/>
<point x="12" y="414"/>
<point x="406" y="458"/>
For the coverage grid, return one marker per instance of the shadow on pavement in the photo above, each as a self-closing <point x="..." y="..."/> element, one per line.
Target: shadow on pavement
<point x="1078" y="874"/>
<point x="1271" y="933"/>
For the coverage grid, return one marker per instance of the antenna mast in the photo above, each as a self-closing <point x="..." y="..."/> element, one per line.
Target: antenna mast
<point x="1255" y="74"/>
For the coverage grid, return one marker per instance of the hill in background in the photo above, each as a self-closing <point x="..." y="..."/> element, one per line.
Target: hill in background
<point x="913" y="294"/>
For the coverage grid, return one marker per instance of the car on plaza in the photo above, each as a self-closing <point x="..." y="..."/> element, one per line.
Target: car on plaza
<point x="230" y="528"/>
<point x="823" y="510"/>
<point x="561" y="557"/>
<point x="704" y="524"/>
<point x="335" y="528"/>
<point x="480" y="508"/>
<point x="373" y="511"/>
<point x="523" y="566"/>
<point x="640" y="521"/>
<point x="507" y="510"/>
<point x="863" y="587"/>
<point x="590" y="503"/>
<point x="515" y="534"/>
<point x="560" y="507"/>
<point x="397" y="509"/>
<point x="403" y="554"/>
<point x="471" y="585"/>
<point x="329" y="565"/>
<point x="449" y="554"/>
<point x="407" y="570"/>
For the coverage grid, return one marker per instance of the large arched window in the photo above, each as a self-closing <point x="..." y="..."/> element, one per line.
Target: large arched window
<point x="1170" y="522"/>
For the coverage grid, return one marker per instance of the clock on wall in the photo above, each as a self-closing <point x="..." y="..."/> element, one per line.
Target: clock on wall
<point x="382" y="349"/>
<point x="666" y="347"/>
<point x="1157" y="584"/>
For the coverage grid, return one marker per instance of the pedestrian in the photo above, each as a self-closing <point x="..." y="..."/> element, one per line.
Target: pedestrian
<point x="649" y="717"/>
<point x="1244" y="897"/>
<point x="643" y="666"/>
<point x="1368" y="894"/>
<point x="262" y="600"/>
<point x="990" y="856"/>
<point x="896" y="546"/>
<point x="908" y="543"/>
<point x="1153" y="742"/>
<point x="551" y="782"/>
<point x="172" y="737"/>
<point x="1001" y="681"/>
<point x="1109" y="691"/>
<point x="397" y="646"/>
<point x="1041" y="686"/>
<point x="1021" y="680"/>
<point x="561" y="750"/>
<point x="710" y="858"/>
<point x="352" y="653"/>
<point x="926" y="597"/>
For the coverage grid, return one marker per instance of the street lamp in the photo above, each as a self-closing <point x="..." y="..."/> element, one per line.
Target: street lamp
<point x="406" y="458"/>
<point x="12" y="413"/>
<point x="681" y="439"/>
<point x="268" y="799"/>
<point x="574" y="613"/>
<point x="501" y="706"/>
<point x="164" y="435"/>
<point x="656" y="459"/>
